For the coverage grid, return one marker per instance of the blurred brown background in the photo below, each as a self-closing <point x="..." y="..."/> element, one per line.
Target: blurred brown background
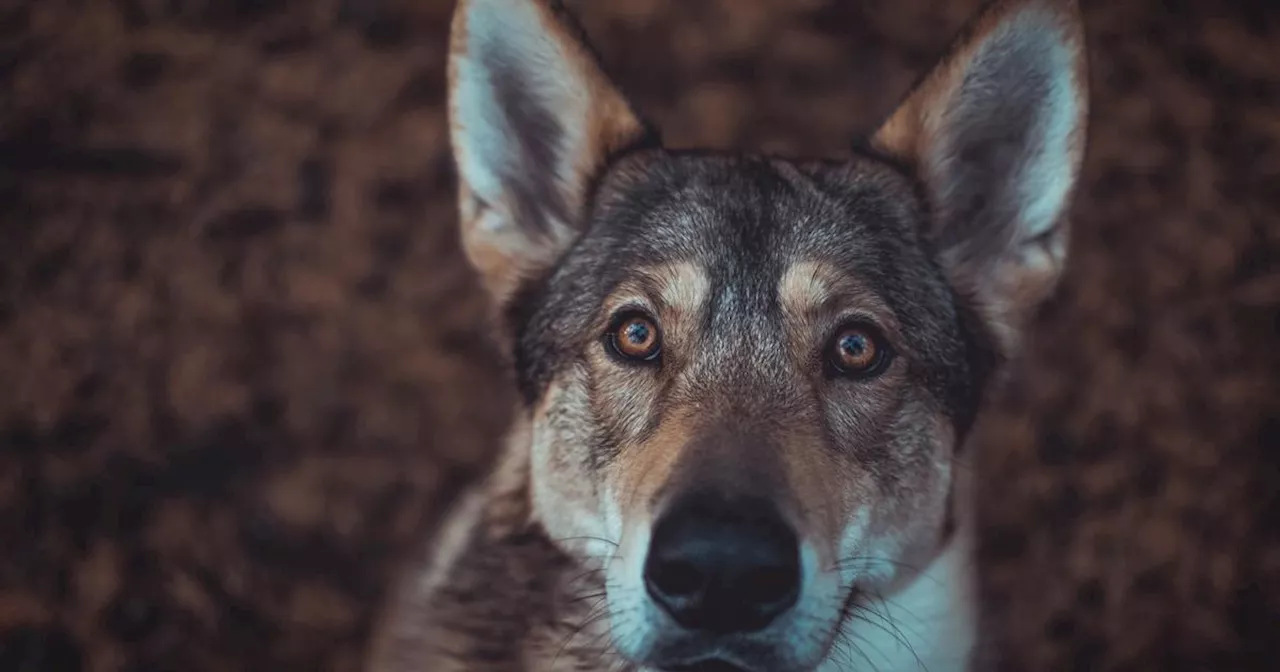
<point x="241" y="364"/>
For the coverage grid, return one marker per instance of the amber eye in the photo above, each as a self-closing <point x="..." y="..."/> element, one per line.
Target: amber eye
<point x="858" y="350"/>
<point x="635" y="337"/>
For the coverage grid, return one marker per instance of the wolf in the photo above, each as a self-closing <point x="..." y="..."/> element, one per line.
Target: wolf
<point x="745" y="381"/>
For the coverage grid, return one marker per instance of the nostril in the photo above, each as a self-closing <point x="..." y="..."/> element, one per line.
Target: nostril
<point x="677" y="578"/>
<point x="771" y="585"/>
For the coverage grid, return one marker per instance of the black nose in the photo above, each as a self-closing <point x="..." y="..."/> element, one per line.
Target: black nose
<point x="723" y="566"/>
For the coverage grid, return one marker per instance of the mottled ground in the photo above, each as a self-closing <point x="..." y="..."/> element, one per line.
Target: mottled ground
<point x="242" y="364"/>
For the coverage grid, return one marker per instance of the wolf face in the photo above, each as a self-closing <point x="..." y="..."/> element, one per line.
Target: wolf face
<point x="747" y="379"/>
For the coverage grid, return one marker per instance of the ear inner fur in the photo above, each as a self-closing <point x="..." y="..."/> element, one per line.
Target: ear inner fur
<point x="996" y="134"/>
<point x="533" y="119"/>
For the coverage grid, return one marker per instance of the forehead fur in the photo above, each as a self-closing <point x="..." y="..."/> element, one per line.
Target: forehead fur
<point x="674" y="287"/>
<point x="744" y="223"/>
<point x="810" y="290"/>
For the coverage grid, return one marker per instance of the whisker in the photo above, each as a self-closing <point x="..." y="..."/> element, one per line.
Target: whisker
<point x="585" y="537"/>
<point x="919" y="621"/>
<point x="890" y="629"/>
<point x="592" y="617"/>
<point x="869" y="561"/>
<point x="585" y="574"/>
<point x="847" y="562"/>
<point x="858" y="650"/>
<point x="588" y="596"/>
<point x="896" y="632"/>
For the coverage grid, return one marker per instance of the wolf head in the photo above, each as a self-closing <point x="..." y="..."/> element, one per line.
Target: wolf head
<point x="747" y="378"/>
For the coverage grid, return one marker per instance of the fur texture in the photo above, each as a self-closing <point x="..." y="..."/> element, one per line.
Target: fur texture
<point x="747" y="267"/>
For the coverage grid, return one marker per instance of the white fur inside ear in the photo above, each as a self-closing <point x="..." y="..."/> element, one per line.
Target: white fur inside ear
<point x="514" y="68"/>
<point x="1047" y="176"/>
<point x="1018" y="106"/>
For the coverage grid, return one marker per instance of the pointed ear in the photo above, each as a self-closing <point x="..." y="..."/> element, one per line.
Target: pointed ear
<point x="996" y="133"/>
<point x="532" y="119"/>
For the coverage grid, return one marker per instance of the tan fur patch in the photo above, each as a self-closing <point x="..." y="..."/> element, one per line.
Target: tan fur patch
<point x="813" y="293"/>
<point x="825" y="490"/>
<point x="809" y="287"/>
<point x="642" y="472"/>
<point x="676" y="293"/>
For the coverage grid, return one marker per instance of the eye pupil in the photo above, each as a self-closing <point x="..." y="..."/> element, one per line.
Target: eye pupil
<point x="637" y="332"/>
<point x="854" y="345"/>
